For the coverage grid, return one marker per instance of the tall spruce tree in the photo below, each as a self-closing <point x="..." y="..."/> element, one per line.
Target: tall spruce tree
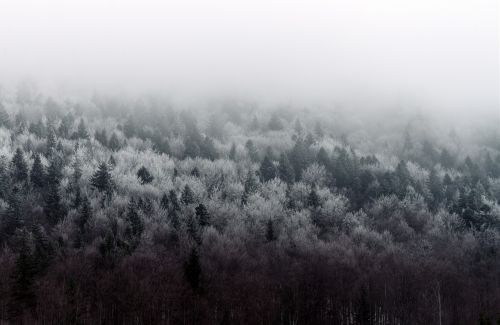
<point x="187" y="196"/>
<point x="19" y="167"/>
<point x="101" y="180"/>
<point x="267" y="170"/>
<point x="37" y="174"/>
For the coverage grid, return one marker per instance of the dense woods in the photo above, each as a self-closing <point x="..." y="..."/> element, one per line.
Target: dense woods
<point x="141" y="211"/>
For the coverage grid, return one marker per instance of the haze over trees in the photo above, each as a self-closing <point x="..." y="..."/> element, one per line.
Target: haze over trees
<point x="240" y="214"/>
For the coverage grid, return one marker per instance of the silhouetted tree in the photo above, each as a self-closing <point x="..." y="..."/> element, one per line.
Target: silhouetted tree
<point x="144" y="175"/>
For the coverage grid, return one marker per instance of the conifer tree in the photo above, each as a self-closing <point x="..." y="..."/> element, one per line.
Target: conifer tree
<point x="37" y="174"/>
<point x="313" y="198"/>
<point x="19" y="167"/>
<point x="252" y="152"/>
<point x="270" y="235"/>
<point x="232" y="152"/>
<point x="22" y="292"/>
<point x="203" y="216"/>
<point x="82" y="132"/>
<point x="144" y="175"/>
<point x="174" y="202"/>
<point x="267" y="170"/>
<point x="114" y="144"/>
<point x="192" y="270"/>
<point x="4" y="117"/>
<point x="187" y="196"/>
<point x="285" y="169"/>
<point x="164" y="202"/>
<point x="101" y="179"/>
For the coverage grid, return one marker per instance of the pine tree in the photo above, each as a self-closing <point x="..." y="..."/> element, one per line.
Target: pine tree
<point x="51" y="143"/>
<point x="285" y="169"/>
<point x="82" y="132"/>
<point x="44" y="251"/>
<point x="195" y="172"/>
<point x="37" y="174"/>
<point x="101" y="137"/>
<point x="298" y="127"/>
<point x="53" y="208"/>
<point x="135" y="224"/>
<point x="174" y="202"/>
<point x="323" y="159"/>
<point x="101" y="180"/>
<point x="267" y="170"/>
<point x="436" y="189"/>
<point x="207" y="149"/>
<point x="13" y="218"/>
<point x="275" y="123"/>
<point x="252" y="152"/>
<point x="164" y="202"/>
<point x="187" y="196"/>
<point x="66" y="125"/>
<point x="129" y="127"/>
<point x="4" y="117"/>
<point x="232" y="152"/>
<point x="203" y="216"/>
<point x="22" y="293"/>
<point x="270" y="235"/>
<point x="192" y="270"/>
<point x="19" y="167"/>
<point x="313" y="198"/>
<point x="114" y="144"/>
<point x="250" y="187"/>
<point x="144" y="175"/>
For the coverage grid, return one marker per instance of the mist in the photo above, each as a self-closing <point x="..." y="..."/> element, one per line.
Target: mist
<point x="440" y="55"/>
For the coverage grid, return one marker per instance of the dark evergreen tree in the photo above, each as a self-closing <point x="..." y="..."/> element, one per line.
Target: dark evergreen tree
<point x="144" y="175"/>
<point x="275" y="123"/>
<point x="192" y="270"/>
<point x="313" y="198"/>
<point x="53" y="208"/>
<point x="267" y="170"/>
<point x="13" y="218"/>
<point x="37" y="174"/>
<point x="195" y="172"/>
<point x="66" y="125"/>
<point x="129" y="127"/>
<point x="4" y="117"/>
<point x="251" y="151"/>
<point x="22" y="297"/>
<point x="19" y="167"/>
<point x="174" y="202"/>
<point x="101" y="180"/>
<point x="187" y="196"/>
<point x="135" y="224"/>
<point x="250" y="186"/>
<point x="285" y="170"/>
<point x="51" y="143"/>
<point x="165" y="202"/>
<point x="82" y="132"/>
<point x="207" y="149"/>
<point x="44" y="250"/>
<point x="232" y="152"/>
<point x="270" y="235"/>
<point x="203" y="216"/>
<point x="114" y="144"/>
<point x="323" y="159"/>
<point x="101" y="137"/>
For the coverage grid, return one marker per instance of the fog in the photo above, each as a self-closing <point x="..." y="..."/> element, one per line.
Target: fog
<point x="438" y="54"/>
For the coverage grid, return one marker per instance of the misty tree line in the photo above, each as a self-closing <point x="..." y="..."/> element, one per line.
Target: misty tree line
<point x="116" y="211"/>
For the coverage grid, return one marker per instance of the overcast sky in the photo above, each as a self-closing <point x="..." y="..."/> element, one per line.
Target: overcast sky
<point x="438" y="51"/>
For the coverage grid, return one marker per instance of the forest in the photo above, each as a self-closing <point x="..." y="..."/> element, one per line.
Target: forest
<point x="119" y="210"/>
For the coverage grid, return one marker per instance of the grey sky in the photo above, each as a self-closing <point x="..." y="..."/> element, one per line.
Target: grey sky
<point x="440" y="52"/>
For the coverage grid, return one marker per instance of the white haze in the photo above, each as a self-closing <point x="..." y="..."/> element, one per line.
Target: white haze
<point x="437" y="53"/>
